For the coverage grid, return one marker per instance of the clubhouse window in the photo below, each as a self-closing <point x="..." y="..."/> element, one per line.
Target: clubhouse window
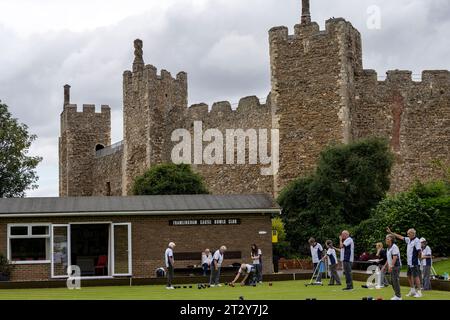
<point x="29" y="243"/>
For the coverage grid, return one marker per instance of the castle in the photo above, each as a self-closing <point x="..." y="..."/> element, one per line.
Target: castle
<point x="320" y="94"/>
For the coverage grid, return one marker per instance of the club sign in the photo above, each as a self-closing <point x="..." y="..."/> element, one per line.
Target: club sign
<point x="204" y="222"/>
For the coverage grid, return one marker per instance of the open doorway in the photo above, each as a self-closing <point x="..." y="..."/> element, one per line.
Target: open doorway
<point x="90" y="248"/>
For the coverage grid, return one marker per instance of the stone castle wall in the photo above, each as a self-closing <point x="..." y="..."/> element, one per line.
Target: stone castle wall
<point x="414" y="116"/>
<point x="81" y="133"/>
<point x="320" y="95"/>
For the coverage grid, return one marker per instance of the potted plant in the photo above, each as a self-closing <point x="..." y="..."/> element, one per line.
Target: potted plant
<point x="5" y="268"/>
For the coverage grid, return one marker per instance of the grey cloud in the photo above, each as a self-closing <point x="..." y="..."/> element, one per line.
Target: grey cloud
<point x="224" y="49"/>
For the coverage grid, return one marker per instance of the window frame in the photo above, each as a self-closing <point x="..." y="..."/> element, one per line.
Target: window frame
<point x="29" y="236"/>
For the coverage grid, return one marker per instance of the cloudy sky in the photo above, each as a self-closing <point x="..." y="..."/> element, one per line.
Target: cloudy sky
<point x="222" y="44"/>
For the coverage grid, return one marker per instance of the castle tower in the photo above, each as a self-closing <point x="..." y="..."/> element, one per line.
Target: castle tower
<point x="148" y="99"/>
<point x="312" y="76"/>
<point x="82" y="134"/>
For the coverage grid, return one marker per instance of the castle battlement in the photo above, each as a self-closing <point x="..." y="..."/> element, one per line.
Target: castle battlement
<point x="434" y="78"/>
<point x="250" y="105"/>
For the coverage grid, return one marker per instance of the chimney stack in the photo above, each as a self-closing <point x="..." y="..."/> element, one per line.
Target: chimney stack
<point x="306" y="13"/>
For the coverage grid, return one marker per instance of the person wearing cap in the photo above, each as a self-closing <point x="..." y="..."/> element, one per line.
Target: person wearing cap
<point x="426" y="264"/>
<point x="216" y="265"/>
<point x="413" y="255"/>
<point x="168" y="257"/>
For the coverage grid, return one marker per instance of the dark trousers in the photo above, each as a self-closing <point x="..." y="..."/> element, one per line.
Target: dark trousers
<point x="317" y="270"/>
<point x="205" y="268"/>
<point x="258" y="272"/>
<point x="334" y="277"/>
<point x="395" y="279"/>
<point x="169" y="276"/>
<point x="215" y="276"/>
<point x="348" y="274"/>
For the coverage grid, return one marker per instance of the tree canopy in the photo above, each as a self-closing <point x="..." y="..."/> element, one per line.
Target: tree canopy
<point x="348" y="183"/>
<point x="169" y="179"/>
<point x="17" y="169"/>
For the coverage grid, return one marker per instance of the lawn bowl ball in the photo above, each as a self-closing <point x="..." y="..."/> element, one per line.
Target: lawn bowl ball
<point x="184" y="287"/>
<point x="370" y="298"/>
<point x="190" y="287"/>
<point x="380" y="299"/>
<point x="364" y="298"/>
<point x="241" y="298"/>
<point x="270" y="284"/>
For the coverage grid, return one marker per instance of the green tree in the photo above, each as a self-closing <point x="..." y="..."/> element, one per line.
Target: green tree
<point x="17" y="170"/>
<point x="426" y="208"/>
<point x="169" y="179"/>
<point x="348" y="183"/>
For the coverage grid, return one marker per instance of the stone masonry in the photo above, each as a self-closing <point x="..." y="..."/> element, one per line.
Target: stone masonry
<point x="320" y="95"/>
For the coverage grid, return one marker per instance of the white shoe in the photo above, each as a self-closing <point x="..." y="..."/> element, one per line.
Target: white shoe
<point x="418" y="294"/>
<point x="212" y="285"/>
<point x="411" y="293"/>
<point x="170" y="288"/>
<point x="219" y="285"/>
<point x="396" y="298"/>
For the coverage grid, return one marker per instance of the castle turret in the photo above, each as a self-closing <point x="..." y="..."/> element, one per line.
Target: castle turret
<point x="82" y="133"/>
<point x="312" y="74"/>
<point x="148" y="100"/>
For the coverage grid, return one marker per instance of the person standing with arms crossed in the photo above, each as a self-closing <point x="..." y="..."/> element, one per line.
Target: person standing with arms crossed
<point x="413" y="253"/>
<point x="347" y="256"/>
<point x="216" y="264"/>
<point x="257" y="263"/>
<point x="168" y="257"/>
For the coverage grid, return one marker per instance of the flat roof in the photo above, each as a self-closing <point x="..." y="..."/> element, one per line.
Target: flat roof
<point x="138" y="205"/>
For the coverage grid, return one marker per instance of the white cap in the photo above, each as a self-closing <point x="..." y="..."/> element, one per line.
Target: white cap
<point x="423" y="240"/>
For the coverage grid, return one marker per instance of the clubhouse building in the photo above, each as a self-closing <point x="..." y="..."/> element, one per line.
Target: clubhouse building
<point x="123" y="237"/>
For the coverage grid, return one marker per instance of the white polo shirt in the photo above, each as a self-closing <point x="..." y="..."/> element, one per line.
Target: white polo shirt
<point x="348" y="251"/>
<point x="391" y="253"/>
<point x="332" y="258"/>
<point x="427" y="252"/>
<point x="169" y="253"/>
<point x="206" y="258"/>
<point x="412" y="251"/>
<point x="316" y="253"/>
<point x="218" y="257"/>
<point x="247" y="270"/>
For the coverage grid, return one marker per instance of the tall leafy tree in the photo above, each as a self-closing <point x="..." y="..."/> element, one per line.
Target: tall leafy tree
<point x="169" y="179"/>
<point x="348" y="183"/>
<point x="17" y="169"/>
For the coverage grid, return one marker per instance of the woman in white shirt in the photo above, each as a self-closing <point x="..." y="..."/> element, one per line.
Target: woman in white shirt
<point x="206" y="261"/>
<point x="257" y="259"/>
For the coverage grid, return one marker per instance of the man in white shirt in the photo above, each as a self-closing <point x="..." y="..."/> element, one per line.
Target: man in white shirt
<point x="248" y="271"/>
<point x="170" y="261"/>
<point x="413" y="253"/>
<point x="347" y="257"/>
<point x="216" y="264"/>
<point x="316" y="256"/>
<point x="393" y="265"/>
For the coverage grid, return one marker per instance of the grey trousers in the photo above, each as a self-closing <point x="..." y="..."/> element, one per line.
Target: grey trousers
<point x="348" y="274"/>
<point x="215" y="275"/>
<point x="395" y="279"/>
<point x="169" y="276"/>
<point x="334" y="279"/>
<point x="426" y="280"/>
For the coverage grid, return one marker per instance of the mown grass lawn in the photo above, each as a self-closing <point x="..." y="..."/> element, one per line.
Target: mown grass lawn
<point x="287" y="290"/>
